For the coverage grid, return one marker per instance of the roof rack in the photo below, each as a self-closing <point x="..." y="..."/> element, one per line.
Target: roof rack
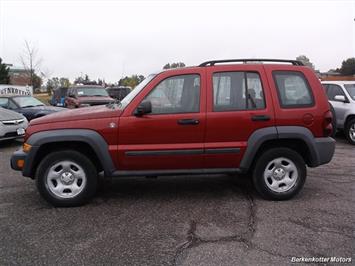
<point x="245" y="61"/>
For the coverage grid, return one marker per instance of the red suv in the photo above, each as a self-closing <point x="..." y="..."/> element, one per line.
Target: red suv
<point x="270" y="120"/>
<point x="86" y="95"/>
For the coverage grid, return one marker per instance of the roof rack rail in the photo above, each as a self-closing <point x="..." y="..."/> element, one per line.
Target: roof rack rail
<point x="213" y="62"/>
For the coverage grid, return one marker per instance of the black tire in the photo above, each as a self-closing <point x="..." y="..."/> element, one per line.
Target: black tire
<point x="261" y="165"/>
<point x="86" y="193"/>
<point x="334" y="121"/>
<point x="349" y="125"/>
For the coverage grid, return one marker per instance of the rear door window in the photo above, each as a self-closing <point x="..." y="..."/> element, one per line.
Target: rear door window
<point x="233" y="91"/>
<point x="293" y="89"/>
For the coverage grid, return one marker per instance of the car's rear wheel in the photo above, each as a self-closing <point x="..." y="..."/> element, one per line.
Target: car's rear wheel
<point x="350" y="131"/>
<point x="279" y="174"/>
<point x="66" y="178"/>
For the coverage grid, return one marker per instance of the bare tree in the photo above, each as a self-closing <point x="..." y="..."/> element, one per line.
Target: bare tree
<point x="31" y="62"/>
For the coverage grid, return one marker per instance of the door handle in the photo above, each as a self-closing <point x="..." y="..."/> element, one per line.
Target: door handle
<point x="260" y="118"/>
<point x="188" y="122"/>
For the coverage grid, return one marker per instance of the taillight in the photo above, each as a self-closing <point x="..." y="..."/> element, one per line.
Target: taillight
<point x="327" y="124"/>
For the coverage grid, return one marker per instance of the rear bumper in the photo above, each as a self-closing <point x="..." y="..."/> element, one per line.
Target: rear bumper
<point x="325" y="148"/>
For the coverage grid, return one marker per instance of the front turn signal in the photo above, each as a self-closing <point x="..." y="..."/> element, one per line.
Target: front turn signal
<point x="26" y="147"/>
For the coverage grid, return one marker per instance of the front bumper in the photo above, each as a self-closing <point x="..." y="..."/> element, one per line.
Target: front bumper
<point x="28" y="158"/>
<point x="325" y="148"/>
<point x="17" y="156"/>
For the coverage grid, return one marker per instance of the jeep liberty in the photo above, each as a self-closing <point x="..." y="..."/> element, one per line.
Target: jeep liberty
<point x="265" y="117"/>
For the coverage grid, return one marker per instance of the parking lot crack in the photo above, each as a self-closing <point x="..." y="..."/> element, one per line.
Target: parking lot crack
<point x="193" y="240"/>
<point x="252" y="215"/>
<point x="318" y="229"/>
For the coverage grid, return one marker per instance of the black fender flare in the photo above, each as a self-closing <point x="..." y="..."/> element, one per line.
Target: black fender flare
<point x="90" y="137"/>
<point x="260" y="136"/>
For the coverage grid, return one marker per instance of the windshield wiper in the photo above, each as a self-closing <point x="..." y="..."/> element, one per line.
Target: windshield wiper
<point x="27" y="106"/>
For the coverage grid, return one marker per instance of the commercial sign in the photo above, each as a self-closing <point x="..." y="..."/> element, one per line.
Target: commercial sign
<point x="15" y="90"/>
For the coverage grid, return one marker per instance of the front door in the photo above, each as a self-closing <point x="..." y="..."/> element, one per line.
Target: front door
<point x="171" y="136"/>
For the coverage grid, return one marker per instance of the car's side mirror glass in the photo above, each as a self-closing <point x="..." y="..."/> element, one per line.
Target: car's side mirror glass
<point x="340" y="98"/>
<point x="143" y="108"/>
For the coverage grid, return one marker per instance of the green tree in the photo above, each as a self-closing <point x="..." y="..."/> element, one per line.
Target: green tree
<point x="348" y="67"/>
<point x="85" y="80"/>
<point x="36" y="81"/>
<point x="55" y="82"/>
<point x="64" y="82"/>
<point x="4" y="73"/>
<point x="174" y="65"/>
<point x="305" y="60"/>
<point x="131" y="81"/>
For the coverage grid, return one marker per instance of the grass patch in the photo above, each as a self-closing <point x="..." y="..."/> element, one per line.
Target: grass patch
<point x="43" y="97"/>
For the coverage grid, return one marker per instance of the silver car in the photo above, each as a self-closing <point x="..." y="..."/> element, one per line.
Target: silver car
<point x="12" y="124"/>
<point x="341" y="95"/>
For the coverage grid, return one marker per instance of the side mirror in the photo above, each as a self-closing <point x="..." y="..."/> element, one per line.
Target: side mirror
<point x="340" y="98"/>
<point x="144" y="108"/>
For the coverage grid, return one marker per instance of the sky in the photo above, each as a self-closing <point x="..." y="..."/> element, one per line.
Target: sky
<point x="112" y="39"/>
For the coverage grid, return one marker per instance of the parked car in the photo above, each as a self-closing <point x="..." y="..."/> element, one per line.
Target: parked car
<point x="58" y="96"/>
<point x="87" y="95"/>
<point x="29" y="106"/>
<point x="119" y="92"/>
<point x="270" y="120"/>
<point x="341" y="95"/>
<point x="12" y="125"/>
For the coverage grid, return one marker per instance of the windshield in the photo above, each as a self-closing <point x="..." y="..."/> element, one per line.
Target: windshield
<point x="351" y="90"/>
<point x="85" y="91"/>
<point x="135" y="91"/>
<point x="27" y="101"/>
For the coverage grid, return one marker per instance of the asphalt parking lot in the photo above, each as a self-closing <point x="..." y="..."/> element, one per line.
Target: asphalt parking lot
<point x="211" y="220"/>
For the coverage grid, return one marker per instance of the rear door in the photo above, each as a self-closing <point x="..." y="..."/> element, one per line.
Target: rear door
<point x="171" y="137"/>
<point x="239" y="103"/>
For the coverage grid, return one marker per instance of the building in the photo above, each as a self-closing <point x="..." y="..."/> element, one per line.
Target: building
<point x="19" y="76"/>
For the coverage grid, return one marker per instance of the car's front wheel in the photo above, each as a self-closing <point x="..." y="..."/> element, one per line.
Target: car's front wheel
<point x="350" y="131"/>
<point x="66" y="178"/>
<point x="279" y="174"/>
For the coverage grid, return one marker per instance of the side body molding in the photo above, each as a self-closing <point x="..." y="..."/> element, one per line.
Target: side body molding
<point x="90" y="137"/>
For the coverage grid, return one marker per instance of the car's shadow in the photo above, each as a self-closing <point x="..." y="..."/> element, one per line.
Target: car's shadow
<point x="175" y="186"/>
<point x="10" y="143"/>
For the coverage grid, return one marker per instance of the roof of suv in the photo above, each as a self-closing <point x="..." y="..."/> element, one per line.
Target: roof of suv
<point x="252" y="61"/>
<point x="339" y="82"/>
<point x="229" y="62"/>
<point x="87" y="86"/>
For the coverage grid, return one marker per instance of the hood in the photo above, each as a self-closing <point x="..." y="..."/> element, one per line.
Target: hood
<point x="9" y="115"/>
<point x="95" y="99"/>
<point x="45" y="108"/>
<point x="94" y="112"/>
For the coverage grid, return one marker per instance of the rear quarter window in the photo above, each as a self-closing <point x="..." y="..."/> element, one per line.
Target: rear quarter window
<point x="293" y="89"/>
